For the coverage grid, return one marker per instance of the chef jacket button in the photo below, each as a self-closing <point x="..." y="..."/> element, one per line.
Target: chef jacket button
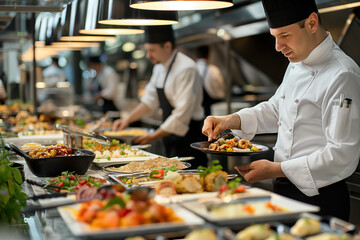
<point x="296" y="100"/>
<point x="312" y="73"/>
<point x="279" y="123"/>
<point x="287" y="155"/>
<point x="290" y="130"/>
<point x="283" y="96"/>
<point x="292" y="67"/>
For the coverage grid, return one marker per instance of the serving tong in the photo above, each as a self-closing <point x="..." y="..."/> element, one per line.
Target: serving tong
<point x="225" y="135"/>
<point x="84" y="133"/>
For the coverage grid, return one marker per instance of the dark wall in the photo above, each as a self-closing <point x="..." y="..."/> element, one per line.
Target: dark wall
<point x="259" y="50"/>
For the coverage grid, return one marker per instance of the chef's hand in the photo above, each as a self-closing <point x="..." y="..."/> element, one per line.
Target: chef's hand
<point x="260" y="170"/>
<point x="146" y="139"/>
<point x="97" y="97"/>
<point x="214" y="125"/>
<point x="119" y="124"/>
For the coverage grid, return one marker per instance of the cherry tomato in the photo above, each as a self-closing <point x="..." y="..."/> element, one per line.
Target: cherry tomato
<point x="123" y="212"/>
<point x="160" y="173"/>
<point x="83" y="182"/>
<point x="61" y="184"/>
<point x="240" y="189"/>
<point x="72" y="177"/>
<point x="223" y="188"/>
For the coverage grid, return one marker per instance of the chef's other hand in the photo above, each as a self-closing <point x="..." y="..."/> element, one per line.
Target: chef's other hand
<point x="119" y="124"/>
<point x="146" y="139"/>
<point x="214" y="125"/>
<point x="260" y="170"/>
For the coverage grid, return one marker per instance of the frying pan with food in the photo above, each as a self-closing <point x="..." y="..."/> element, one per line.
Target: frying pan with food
<point x="79" y="163"/>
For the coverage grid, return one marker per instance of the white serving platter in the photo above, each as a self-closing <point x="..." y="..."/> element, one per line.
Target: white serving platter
<point x="295" y="208"/>
<point x="208" y="196"/>
<point x="102" y="162"/>
<point x="81" y="229"/>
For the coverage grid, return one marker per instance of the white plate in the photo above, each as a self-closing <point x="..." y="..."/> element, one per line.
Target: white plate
<point x="102" y="162"/>
<point x="208" y="196"/>
<point x="81" y="229"/>
<point x="294" y="207"/>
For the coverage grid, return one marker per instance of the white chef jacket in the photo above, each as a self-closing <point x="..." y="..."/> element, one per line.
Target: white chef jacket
<point x="214" y="82"/>
<point x="52" y="75"/>
<point x="183" y="89"/>
<point x="109" y="80"/>
<point x="303" y="113"/>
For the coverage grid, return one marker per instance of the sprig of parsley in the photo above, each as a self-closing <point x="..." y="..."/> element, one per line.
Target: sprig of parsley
<point x="203" y="171"/>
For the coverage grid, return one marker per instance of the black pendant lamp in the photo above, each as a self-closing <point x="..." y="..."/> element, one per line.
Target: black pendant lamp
<point x="89" y="24"/>
<point x="118" y="12"/>
<point x="180" y="5"/>
<point x="70" y="21"/>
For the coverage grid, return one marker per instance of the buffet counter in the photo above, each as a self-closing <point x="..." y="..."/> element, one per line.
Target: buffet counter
<point x="48" y="224"/>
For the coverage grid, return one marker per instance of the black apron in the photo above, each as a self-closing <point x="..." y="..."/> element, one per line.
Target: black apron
<point x="176" y="145"/>
<point x="333" y="200"/>
<point x="207" y="100"/>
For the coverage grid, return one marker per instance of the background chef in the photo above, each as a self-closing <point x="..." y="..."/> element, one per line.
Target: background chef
<point x="175" y="87"/>
<point x="318" y="143"/>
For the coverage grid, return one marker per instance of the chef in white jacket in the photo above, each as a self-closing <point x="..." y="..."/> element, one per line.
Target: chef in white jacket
<point x="315" y="111"/>
<point x="176" y="87"/>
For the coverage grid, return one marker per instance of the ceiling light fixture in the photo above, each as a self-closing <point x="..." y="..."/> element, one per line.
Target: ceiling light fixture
<point x="180" y="5"/>
<point x="70" y="21"/>
<point x="90" y="25"/>
<point x="118" y="12"/>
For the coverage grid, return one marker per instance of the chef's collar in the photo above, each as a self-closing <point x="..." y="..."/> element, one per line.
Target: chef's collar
<point x="320" y="53"/>
<point x="281" y="13"/>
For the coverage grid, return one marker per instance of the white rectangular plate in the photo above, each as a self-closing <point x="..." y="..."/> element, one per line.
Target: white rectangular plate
<point x="207" y="196"/>
<point x="295" y="208"/>
<point x="102" y="162"/>
<point x="81" y="229"/>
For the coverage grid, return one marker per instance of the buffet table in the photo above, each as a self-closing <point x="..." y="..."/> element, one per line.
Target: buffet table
<point x="48" y="224"/>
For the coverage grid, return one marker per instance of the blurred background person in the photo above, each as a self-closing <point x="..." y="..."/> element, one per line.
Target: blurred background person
<point x="53" y="74"/>
<point x="107" y="81"/>
<point x="51" y="95"/>
<point x="214" y="83"/>
<point x="176" y="87"/>
<point x="3" y="95"/>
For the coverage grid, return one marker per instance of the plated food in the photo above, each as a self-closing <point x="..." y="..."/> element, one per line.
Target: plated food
<point x="255" y="205"/>
<point x="115" y="153"/>
<point x="208" y="180"/>
<point x="72" y="182"/>
<point x="305" y="227"/>
<point x="127" y="132"/>
<point x="242" y="209"/>
<point x="121" y="211"/>
<point x="51" y="151"/>
<point x="233" y="145"/>
<point x="78" y="161"/>
<point x="150" y="164"/>
<point x="255" y="232"/>
<point x="31" y="146"/>
<point x="114" y="150"/>
<point x="230" y="147"/>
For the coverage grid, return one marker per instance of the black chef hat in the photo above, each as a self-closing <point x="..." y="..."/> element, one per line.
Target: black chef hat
<point x="159" y="34"/>
<point x="280" y="13"/>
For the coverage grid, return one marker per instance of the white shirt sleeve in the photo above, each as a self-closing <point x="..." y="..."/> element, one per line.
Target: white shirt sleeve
<point x="214" y="82"/>
<point x="109" y="82"/>
<point x="340" y="156"/>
